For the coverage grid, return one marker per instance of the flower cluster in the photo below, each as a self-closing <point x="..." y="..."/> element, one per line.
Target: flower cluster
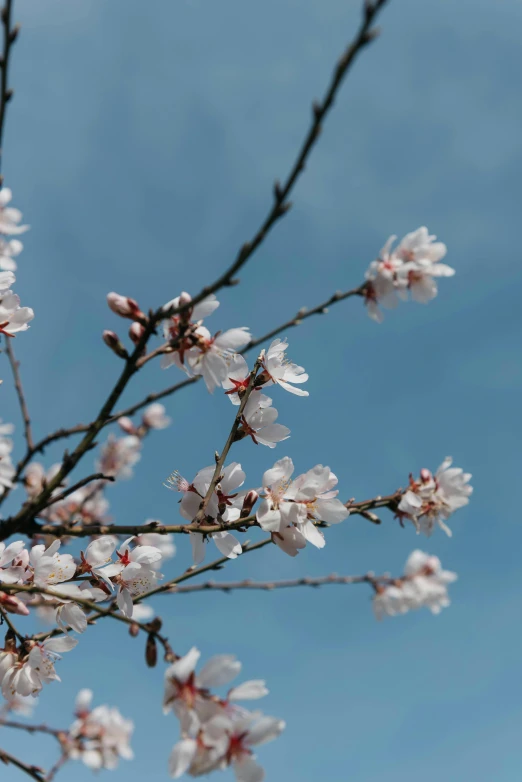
<point x="215" y="731"/>
<point x="432" y="499"/>
<point x="290" y="508"/>
<point x="424" y="584"/>
<point x="410" y="268"/>
<point x="191" y="346"/>
<point x="98" y="737"/>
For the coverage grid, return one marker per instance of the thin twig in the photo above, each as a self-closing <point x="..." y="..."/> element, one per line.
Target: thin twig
<point x="97" y="476"/>
<point x="268" y="586"/>
<point x="4" y="617"/>
<point x="33" y="771"/>
<point x="6" y="94"/>
<point x="62" y="760"/>
<point x="15" y="367"/>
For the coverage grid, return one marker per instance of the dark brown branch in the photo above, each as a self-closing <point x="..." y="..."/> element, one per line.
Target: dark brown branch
<point x="15" y="367"/>
<point x="97" y="476"/>
<point x="9" y="37"/>
<point x="32" y="771"/>
<point x="32" y="728"/>
<point x="363" y="508"/>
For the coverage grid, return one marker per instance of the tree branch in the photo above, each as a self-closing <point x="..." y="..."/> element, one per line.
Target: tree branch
<point x="268" y="586"/>
<point x="391" y="502"/>
<point x="6" y="94"/>
<point x="97" y="476"/>
<point x="15" y="367"/>
<point x="32" y="771"/>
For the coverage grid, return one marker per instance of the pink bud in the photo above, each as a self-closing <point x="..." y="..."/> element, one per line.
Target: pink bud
<point x="124" y="306"/>
<point x="248" y="503"/>
<point x="425" y="475"/>
<point x="12" y="604"/>
<point x="136" y="332"/>
<point x="126" y="424"/>
<point x="112" y="341"/>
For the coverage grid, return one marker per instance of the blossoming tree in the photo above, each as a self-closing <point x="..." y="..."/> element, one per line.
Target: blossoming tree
<point x="62" y="561"/>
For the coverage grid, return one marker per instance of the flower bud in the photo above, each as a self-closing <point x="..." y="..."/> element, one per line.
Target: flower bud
<point x="126" y="425"/>
<point x="154" y="417"/>
<point x="112" y="341"/>
<point x="151" y="651"/>
<point x="134" y="630"/>
<point x="124" y="306"/>
<point x="136" y="332"/>
<point x="248" y="503"/>
<point x="13" y="604"/>
<point x="425" y="475"/>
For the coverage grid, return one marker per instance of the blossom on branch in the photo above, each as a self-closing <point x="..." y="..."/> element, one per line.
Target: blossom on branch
<point x="10" y="218"/>
<point x="258" y="422"/>
<point x="8" y="251"/>
<point x="279" y="370"/>
<point x="432" y="499"/>
<point x="424" y="584"/>
<point x="412" y="267"/>
<point x="98" y="737"/>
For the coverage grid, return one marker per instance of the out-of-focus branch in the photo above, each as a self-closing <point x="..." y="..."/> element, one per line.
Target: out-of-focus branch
<point x="60" y="763"/>
<point x="363" y="508"/>
<point x="268" y="586"/>
<point x="32" y="771"/>
<point x="9" y="37"/>
<point x="32" y="728"/>
<point x="97" y="476"/>
<point x="4" y="618"/>
<point x="15" y="366"/>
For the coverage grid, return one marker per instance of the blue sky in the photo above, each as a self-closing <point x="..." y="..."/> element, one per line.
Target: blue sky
<point x="141" y="145"/>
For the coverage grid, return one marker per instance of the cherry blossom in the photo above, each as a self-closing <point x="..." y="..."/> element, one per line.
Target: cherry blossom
<point x="224" y="504"/>
<point x="432" y="499"/>
<point x="98" y="737"/>
<point x="154" y="417"/>
<point x="125" y="306"/>
<point x="136" y="574"/>
<point x="8" y="251"/>
<point x="424" y="584"/>
<point x="97" y="560"/>
<point x="119" y="455"/>
<point x="163" y="543"/>
<point x="314" y="489"/>
<point x="7" y="469"/>
<point x="258" y="421"/>
<point x="10" y="218"/>
<point x="412" y="266"/>
<point x="277" y="369"/>
<point x="13" y="317"/>
<point x="27" y="677"/>
<point x="277" y="510"/>
<point x="13" y="604"/>
<point x="211" y="354"/>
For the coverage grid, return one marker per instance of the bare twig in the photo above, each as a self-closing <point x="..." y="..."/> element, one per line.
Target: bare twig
<point x="62" y="760"/>
<point x="6" y="94"/>
<point x="4" y="617"/>
<point x="32" y="771"/>
<point x="15" y="367"/>
<point x="32" y="728"/>
<point x="268" y="586"/>
<point x="97" y="476"/>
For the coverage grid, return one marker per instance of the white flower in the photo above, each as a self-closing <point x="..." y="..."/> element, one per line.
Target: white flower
<point x="10" y="218"/>
<point x="189" y="694"/>
<point x="433" y="498"/>
<point x="412" y="266"/>
<point x="277" y="368"/>
<point x="223" y="504"/>
<point x="164" y="543"/>
<point x="97" y="560"/>
<point x="195" y="314"/>
<point x="154" y="417"/>
<point x="210" y="356"/>
<point x="14" y="560"/>
<point x="49" y="567"/>
<point x="9" y="250"/>
<point x="237" y="378"/>
<point x="119" y="455"/>
<point x="258" y="421"/>
<point x="99" y="737"/>
<point x="276" y="511"/>
<point x="424" y="584"/>
<point x="27" y="677"/>
<point x="314" y="490"/>
<point x="13" y="318"/>
<point x="7" y="279"/>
